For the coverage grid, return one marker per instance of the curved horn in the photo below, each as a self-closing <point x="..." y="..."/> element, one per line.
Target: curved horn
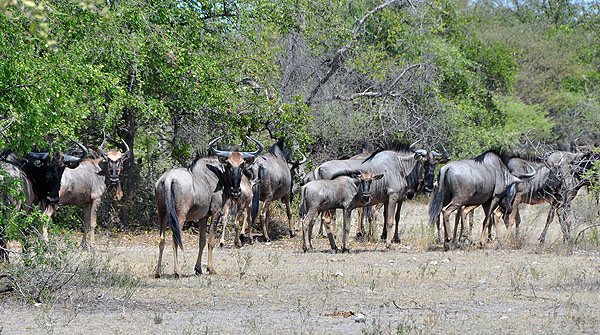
<point x="127" y="151"/>
<point x="101" y="148"/>
<point x="219" y="153"/>
<point x="38" y="155"/>
<point x="415" y="143"/>
<point x="527" y="175"/>
<point x="304" y="159"/>
<point x="421" y="152"/>
<point x="437" y="154"/>
<point x="253" y="154"/>
<point x="69" y="158"/>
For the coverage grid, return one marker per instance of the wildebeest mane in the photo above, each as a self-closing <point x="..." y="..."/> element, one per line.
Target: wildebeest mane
<point x="279" y="149"/>
<point x="504" y="155"/>
<point x="200" y="155"/>
<point x="395" y="145"/>
<point x="346" y="173"/>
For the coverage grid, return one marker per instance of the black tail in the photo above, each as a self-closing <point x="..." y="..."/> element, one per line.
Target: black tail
<point x="435" y="206"/>
<point x="172" y="216"/>
<point x="256" y="196"/>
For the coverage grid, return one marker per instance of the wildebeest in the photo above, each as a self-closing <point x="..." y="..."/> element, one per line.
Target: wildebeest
<point x="406" y="172"/>
<point x="197" y="192"/>
<point x="40" y="175"/>
<point x="274" y="172"/>
<point x="237" y="210"/>
<point x="346" y="190"/>
<point x="86" y="184"/>
<point x="484" y="180"/>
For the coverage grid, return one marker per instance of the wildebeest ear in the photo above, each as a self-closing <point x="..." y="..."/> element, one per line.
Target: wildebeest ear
<point x="377" y="177"/>
<point x="223" y="160"/>
<point x="37" y="163"/>
<point x="418" y="156"/>
<point x="355" y="175"/>
<point x="250" y="160"/>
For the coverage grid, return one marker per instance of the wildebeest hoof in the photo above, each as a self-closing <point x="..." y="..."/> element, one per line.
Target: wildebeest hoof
<point x="359" y="235"/>
<point x="396" y="239"/>
<point x="198" y="271"/>
<point x="345" y="250"/>
<point x="212" y="271"/>
<point x="221" y="244"/>
<point x="446" y="246"/>
<point x="157" y="275"/>
<point x="177" y="275"/>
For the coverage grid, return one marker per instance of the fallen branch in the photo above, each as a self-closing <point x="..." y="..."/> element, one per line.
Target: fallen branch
<point x="583" y="230"/>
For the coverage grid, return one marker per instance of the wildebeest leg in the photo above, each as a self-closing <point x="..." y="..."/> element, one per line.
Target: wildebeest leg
<point x="246" y="227"/>
<point x="512" y="217"/>
<point x="458" y="219"/>
<point x="397" y="218"/>
<point x="87" y="215"/>
<point x="211" y="242"/>
<point x="286" y="200"/>
<point x="176" y="263"/>
<point x="347" y="212"/>
<point x="239" y="217"/>
<point x="372" y="218"/>
<point x="389" y="217"/>
<point x="263" y="219"/>
<point x="488" y="209"/>
<point x="162" y="227"/>
<point x="201" y="244"/>
<point x="446" y="211"/>
<point x="307" y="223"/>
<point x="227" y="215"/>
<point x="564" y="224"/>
<point x="549" y="219"/>
<point x="93" y="217"/>
<point x="330" y="236"/>
<point x="359" y="228"/>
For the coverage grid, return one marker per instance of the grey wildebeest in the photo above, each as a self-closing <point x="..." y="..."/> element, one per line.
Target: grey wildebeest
<point x="557" y="181"/>
<point x="197" y="192"/>
<point x="406" y="172"/>
<point x="40" y="177"/>
<point x="274" y="172"/>
<point x="346" y="190"/>
<point x="484" y="181"/>
<point x="86" y="184"/>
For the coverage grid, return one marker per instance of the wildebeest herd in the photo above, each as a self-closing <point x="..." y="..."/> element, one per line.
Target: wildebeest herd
<point x="230" y="183"/>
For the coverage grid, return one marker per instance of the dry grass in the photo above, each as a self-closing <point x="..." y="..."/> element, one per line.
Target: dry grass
<point x="414" y="289"/>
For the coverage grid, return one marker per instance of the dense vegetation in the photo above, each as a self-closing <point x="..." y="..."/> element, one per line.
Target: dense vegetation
<point x="167" y="76"/>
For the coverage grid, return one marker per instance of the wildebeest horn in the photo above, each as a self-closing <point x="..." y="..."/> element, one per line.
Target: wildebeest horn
<point x="527" y="175"/>
<point x="437" y="154"/>
<point x="127" y="151"/>
<point x="69" y="158"/>
<point x="303" y="160"/>
<point x="101" y="148"/>
<point x="253" y="154"/>
<point x="219" y="153"/>
<point x="415" y="143"/>
<point x="421" y="152"/>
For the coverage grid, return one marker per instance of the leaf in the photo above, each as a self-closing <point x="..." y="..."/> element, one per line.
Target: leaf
<point x="28" y="3"/>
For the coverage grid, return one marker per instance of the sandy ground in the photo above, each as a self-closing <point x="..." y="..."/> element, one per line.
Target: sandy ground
<point x="274" y="288"/>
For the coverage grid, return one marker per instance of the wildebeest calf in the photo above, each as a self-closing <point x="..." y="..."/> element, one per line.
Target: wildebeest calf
<point x="346" y="190"/>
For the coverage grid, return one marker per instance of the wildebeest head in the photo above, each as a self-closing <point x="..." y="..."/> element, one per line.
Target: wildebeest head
<point x="112" y="164"/>
<point x="45" y="171"/>
<point x="364" y="180"/>
<point x="428" y="161"/>
<point x="235" y="163"/>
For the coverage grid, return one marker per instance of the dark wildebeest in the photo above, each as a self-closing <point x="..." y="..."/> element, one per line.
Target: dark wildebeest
<point x="86" y="184"/>
<point x="484" y="180"/>
<point x="197" y="192"/>
<point x="274" y="172"/>
<point x="346" y="190"/>
<point x="40" y="175"/>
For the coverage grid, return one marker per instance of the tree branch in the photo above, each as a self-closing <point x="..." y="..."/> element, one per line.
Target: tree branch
<point x="336" y="60"/>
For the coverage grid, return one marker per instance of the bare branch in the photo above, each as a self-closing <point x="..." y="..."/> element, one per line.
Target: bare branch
<point x="336" y="60"/>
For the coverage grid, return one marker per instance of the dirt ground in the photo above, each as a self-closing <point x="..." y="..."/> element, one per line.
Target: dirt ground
<point x="275" y="288"/>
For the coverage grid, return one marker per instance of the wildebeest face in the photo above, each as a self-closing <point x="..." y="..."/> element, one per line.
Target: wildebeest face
<point x="114" y="163"/>
<point x="364" y="188"/>
<point x="427" y="162"/>
<point x="234" y="166"/>
<point x="45" y="173"/>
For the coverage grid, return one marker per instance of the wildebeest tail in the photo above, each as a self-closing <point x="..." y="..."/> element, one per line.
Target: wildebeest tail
<point x="368" y="211"/>
<point x="172" y="215"/>
<point x="435" y="206"/>
<point x="256" y="196"/>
